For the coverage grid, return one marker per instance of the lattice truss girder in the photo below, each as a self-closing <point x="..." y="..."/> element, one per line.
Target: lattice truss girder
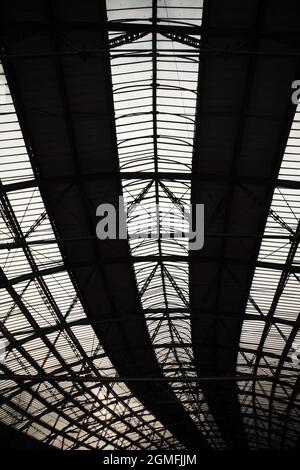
<point x="270" y="339"/>
<point x="155" y="101"/>
<point x="45" y="329"/>
<point x="154" y="97"/>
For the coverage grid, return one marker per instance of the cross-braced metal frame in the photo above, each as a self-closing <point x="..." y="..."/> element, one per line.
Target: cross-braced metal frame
<point x="37" y="320"/>
<point x="271" y="345"/>
<point x="143" y="343"/>
<point x="155" y="118"/>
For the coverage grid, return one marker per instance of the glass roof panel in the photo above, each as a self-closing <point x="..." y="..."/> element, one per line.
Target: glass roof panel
<point x="38" y="309"/>
<point x="158" y="138"/>
<point x="270" y="345"/>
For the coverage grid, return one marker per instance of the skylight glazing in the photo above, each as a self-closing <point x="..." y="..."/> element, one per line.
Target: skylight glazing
<point x="270" y="339"/>
<point x="155" y="88"/>
<point x="46" y="331"/>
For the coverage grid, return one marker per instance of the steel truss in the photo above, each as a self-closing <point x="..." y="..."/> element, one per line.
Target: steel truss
<point x="58" y="383"/>
<point x="272" y="411"/>
<point x="69" y="415"/>
<point x="154" y="138"/>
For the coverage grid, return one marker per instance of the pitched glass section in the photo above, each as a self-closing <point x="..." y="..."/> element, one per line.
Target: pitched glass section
<point x="155" y="82"/>
<point x="270" y="339"/>
<point x="44" y="331"/>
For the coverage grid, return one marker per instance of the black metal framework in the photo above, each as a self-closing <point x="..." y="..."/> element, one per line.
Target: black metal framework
<point x="161" y="366"/>
<point x="128" y="348"/>
<point x="91" y="415"/>
<point x="251" y="130"/>
<point x="272" y="411"/>
<point x="155" y="118"/>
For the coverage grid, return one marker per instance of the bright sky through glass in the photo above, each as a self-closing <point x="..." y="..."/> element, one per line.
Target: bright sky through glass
<point x="66" y="415"/>
<point x="155" y="105"/>
<point x="266" y="344"/>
